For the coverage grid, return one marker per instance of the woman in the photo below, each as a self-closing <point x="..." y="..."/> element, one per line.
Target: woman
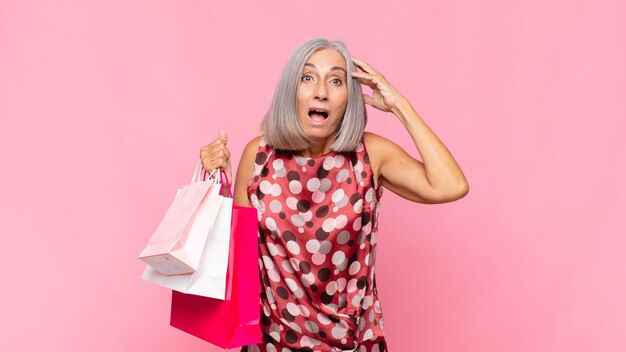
<point x="315" y="178"/>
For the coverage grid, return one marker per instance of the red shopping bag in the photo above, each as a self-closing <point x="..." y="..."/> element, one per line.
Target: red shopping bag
<point x="234" y="321"/>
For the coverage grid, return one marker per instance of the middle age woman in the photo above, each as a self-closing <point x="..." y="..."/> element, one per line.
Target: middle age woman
<point x="315" y="178"/>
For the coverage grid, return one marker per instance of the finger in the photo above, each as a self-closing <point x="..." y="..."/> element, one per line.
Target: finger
<point x="210" y="148"/>
<point x="227" y="153"/>
<point x="377" y="80"/>
<point x="225" y="165"/>
<point x="364" y="66"/>
<point x="219" y="152"/>
<point x="220" y="162"/>
<point x="208" y="165"/>
<point x="372" y="81"/>
<point x="369" y="76"/>
<point x="223" y="137"/>
<point x="215" y="164"/>
<point x="219" y="146"/>
<point x="214" y="158"/>
<point x="368" y="100"/>
<point x="212" y="145"/>
<point x="223" y="153"/>
<point x="204" y="151"/>
<point x="365" y="78"/>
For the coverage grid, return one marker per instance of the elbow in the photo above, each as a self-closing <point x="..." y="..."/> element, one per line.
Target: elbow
<point x="455" y="192"/>
<point x="463" y="189"/>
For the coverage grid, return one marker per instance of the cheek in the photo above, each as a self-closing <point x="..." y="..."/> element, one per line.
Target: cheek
<point x="343" y="104"/>
<point x="344" y="97"/>
<point x="300" y="100"/>
<point x="300" y="93"/>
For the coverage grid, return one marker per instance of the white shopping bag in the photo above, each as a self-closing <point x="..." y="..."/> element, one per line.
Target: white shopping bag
<point x="209" y="280"/>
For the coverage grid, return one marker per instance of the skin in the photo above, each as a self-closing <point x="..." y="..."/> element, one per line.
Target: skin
<point x="435" y="179"/>
<point x="322" y="86"/>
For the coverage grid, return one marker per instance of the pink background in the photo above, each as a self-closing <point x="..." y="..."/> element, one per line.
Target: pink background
<point x="105" y="104"/>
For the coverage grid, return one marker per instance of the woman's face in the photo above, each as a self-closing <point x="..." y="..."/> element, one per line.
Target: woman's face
<point x="322" y="94"/>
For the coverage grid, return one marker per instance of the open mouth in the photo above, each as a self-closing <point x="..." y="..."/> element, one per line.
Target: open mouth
<point x="318" y="115"/>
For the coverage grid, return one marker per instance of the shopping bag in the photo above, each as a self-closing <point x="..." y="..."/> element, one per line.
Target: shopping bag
<point x="234" y="321"/>
<point x="209" y="279"/>
<point x="176" y="245"/>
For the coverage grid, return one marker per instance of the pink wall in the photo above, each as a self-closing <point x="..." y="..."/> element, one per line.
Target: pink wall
<point x="104" y="105"/>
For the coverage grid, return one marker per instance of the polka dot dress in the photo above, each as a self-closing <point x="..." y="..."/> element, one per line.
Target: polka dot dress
<point x="317" y="248"/>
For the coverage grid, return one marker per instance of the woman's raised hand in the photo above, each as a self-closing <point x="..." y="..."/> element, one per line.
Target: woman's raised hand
<point x="384" y="96"/>
<point x="216" y="155"/>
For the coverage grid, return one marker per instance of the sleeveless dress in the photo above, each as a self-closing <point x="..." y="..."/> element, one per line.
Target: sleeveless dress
<point x="318" y="221"/>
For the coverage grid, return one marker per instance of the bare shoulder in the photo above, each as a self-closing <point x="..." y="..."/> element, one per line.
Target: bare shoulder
<point x="378" y="148"/>
<point x="246" y="163"/>
<point x="373" y="141"/>
<point x="245" y="171"/>
<point x="252" y="147"/>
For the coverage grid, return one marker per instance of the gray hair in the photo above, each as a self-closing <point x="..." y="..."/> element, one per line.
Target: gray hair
<point x="281" y="124"/>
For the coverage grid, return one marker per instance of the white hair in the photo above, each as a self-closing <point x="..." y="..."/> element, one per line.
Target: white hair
<point x="281" y="125"/>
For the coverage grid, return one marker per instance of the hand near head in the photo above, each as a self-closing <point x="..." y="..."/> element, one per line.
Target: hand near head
<point x="215" y="155"/>
<point x="384" y="96"/>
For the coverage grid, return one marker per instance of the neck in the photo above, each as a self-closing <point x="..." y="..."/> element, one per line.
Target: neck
<point x="316" y="149"/>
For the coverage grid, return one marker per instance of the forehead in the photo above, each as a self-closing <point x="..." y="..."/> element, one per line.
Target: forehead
<point x="327" y="57"/>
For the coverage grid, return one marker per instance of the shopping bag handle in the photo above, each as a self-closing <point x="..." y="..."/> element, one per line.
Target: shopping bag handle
<point x="201" y="171"/>
<point x="226" y="183"/>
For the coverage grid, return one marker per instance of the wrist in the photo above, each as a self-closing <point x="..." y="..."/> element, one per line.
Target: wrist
<point x="401" y="108"/>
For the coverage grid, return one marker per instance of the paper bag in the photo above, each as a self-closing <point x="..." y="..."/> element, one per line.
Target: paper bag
<point x="234" y="321"/>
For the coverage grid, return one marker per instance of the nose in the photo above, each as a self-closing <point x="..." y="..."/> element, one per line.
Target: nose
<point x="321" y="91"/>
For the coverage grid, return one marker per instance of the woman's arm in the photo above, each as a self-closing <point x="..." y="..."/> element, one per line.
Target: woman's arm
<point x="244" y="173"/>
<point x="438" y="179"/>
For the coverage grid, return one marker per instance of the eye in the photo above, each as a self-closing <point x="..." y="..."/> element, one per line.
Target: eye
<point x="306" y="78"/>
<point x="336" y="81"/>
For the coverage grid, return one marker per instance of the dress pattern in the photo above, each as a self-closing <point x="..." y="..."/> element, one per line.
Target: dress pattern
<point x="317" y="247"/>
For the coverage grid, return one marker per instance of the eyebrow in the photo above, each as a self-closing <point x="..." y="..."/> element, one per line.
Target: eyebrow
<point x="334" y="68"/>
